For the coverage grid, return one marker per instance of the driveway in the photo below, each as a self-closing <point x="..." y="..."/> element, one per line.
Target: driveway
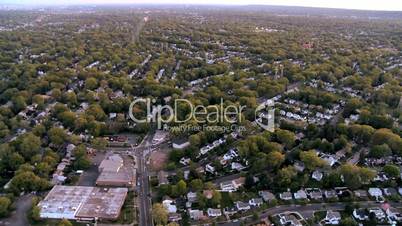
<point x="19" y="216"/>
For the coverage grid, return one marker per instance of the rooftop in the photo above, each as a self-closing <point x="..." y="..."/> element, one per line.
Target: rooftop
<point x="77" y="202"/>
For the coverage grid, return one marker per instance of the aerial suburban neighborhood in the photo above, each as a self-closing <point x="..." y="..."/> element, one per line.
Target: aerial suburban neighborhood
<point x="170" y="114"/>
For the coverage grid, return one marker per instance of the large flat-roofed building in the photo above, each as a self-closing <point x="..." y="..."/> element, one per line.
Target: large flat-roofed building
<point x="83" y="203"/>
<point x="113" y="172"/>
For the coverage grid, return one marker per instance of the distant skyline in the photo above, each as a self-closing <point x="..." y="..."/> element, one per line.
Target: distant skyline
<point x="389" y="5"/>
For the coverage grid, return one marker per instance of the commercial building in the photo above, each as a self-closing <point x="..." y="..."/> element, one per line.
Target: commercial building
<point x="83" y="203"/>
<point x="113" y="172"/>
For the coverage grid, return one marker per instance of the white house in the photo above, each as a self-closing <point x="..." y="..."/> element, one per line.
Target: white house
<point x="242" y="206"/>
<point x="169" y="206"/>
<point x="332" y="217"/>
<point x="255" y="202"/>
<point x="300" y="194"/>
<point x="214" y="212"/>
<point x="375" y="192"/>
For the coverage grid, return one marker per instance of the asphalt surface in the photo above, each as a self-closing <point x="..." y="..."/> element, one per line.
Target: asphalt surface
<point x="19" y="216"/>
<point x="144" y="200"/>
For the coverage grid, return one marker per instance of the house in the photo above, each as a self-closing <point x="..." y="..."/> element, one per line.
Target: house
<point x="317" y="175"/>
<point x="255" y="202"/>
<point x="214" y="212"/>
<point x="242" y="206"/>
<point x="285" y="196"/>
<point x="330" y="194"/>
<point x="196" y="214"/>
<point x="185" y="161"/>
<point x="209" y="168"/>
<point x="169" y="205"/>
<point x="381" y="177"/>
<point x="192" y="197"/>
<point x="237" y="166"/>
<point x="393" y="215"/>
<point x="180" y="144"/>
<point x="314" y="193"/>
<point x="390" y="192"/>
<point x="360" y="214"/>
<point x="361" y="194"/>
<point x="375" y="192"/>
<point x="332" y="217"/>
<point x="231" y="154"/>
<point x="267" y="196"/>
<point x="300" y="194"/>
<point x="231" y="186"/>
<point x="230" y="210"/>
<point x="379" y="214"/>
<point x="174" y="217"/>
<point x="299" y="166"/>
<point x="289" y="219"/>
<point x="162" y="177"/>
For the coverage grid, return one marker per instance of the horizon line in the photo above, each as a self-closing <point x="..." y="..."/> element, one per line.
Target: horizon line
<point x="51" y="4"/>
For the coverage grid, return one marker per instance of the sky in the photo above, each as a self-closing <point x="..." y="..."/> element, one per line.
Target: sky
<point x="394" y="5"/>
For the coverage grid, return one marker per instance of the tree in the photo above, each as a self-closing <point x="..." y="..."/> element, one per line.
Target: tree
<point x="96" y="111"/>
<point x="82" y="160"/>
<point x="71" y="98"/>
<point x="65" y="222"/>
<point x="361" y="133"/>
<point x="286" y="175"/>
<point x="216" y="198"/>
<point x="202" y="200"/>
<point x="286" y="137"/>
<point x="173" y="224"/>
<point x="159" y="214"/>
<point x="197" y="184"/>
<point x="91" y="83"/>
<point x="35" y="213"/>
<point x="386" y="136"/>
<point x="392" y="171"/>
<point x="30" y="145"/>
<point x="18" y="103"/>
<point x="68" y="118"/>
<point x="311" y="160"/>
<point x="379" y="151"/>
<point x="275" y="159"/>
<point x="182" y="187"/>
<point x="354" y="176"/>
<point x="57" y="135"/>
<point x="99" y="143"/>
<point x="348" y="221"/>
<point x="28" y="181"/>
<point x="4" y="206"/>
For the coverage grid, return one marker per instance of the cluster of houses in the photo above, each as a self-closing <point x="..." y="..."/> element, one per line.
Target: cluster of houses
<point x="58" y="175"/>
<point x="212" y="146"/>
<point x="384" y="214"/>
<point x="375" y="162"/>
<point x="308" y="194"/>
<point x="298" y="111"/>
<point x="33" y="115"/>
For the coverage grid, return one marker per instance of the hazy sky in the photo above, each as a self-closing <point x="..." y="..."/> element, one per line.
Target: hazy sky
<point x="348" y="4"/>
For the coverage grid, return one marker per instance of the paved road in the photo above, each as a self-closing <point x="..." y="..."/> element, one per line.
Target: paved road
<point x="144" y="201"/>
<point x="19" y="216"/>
